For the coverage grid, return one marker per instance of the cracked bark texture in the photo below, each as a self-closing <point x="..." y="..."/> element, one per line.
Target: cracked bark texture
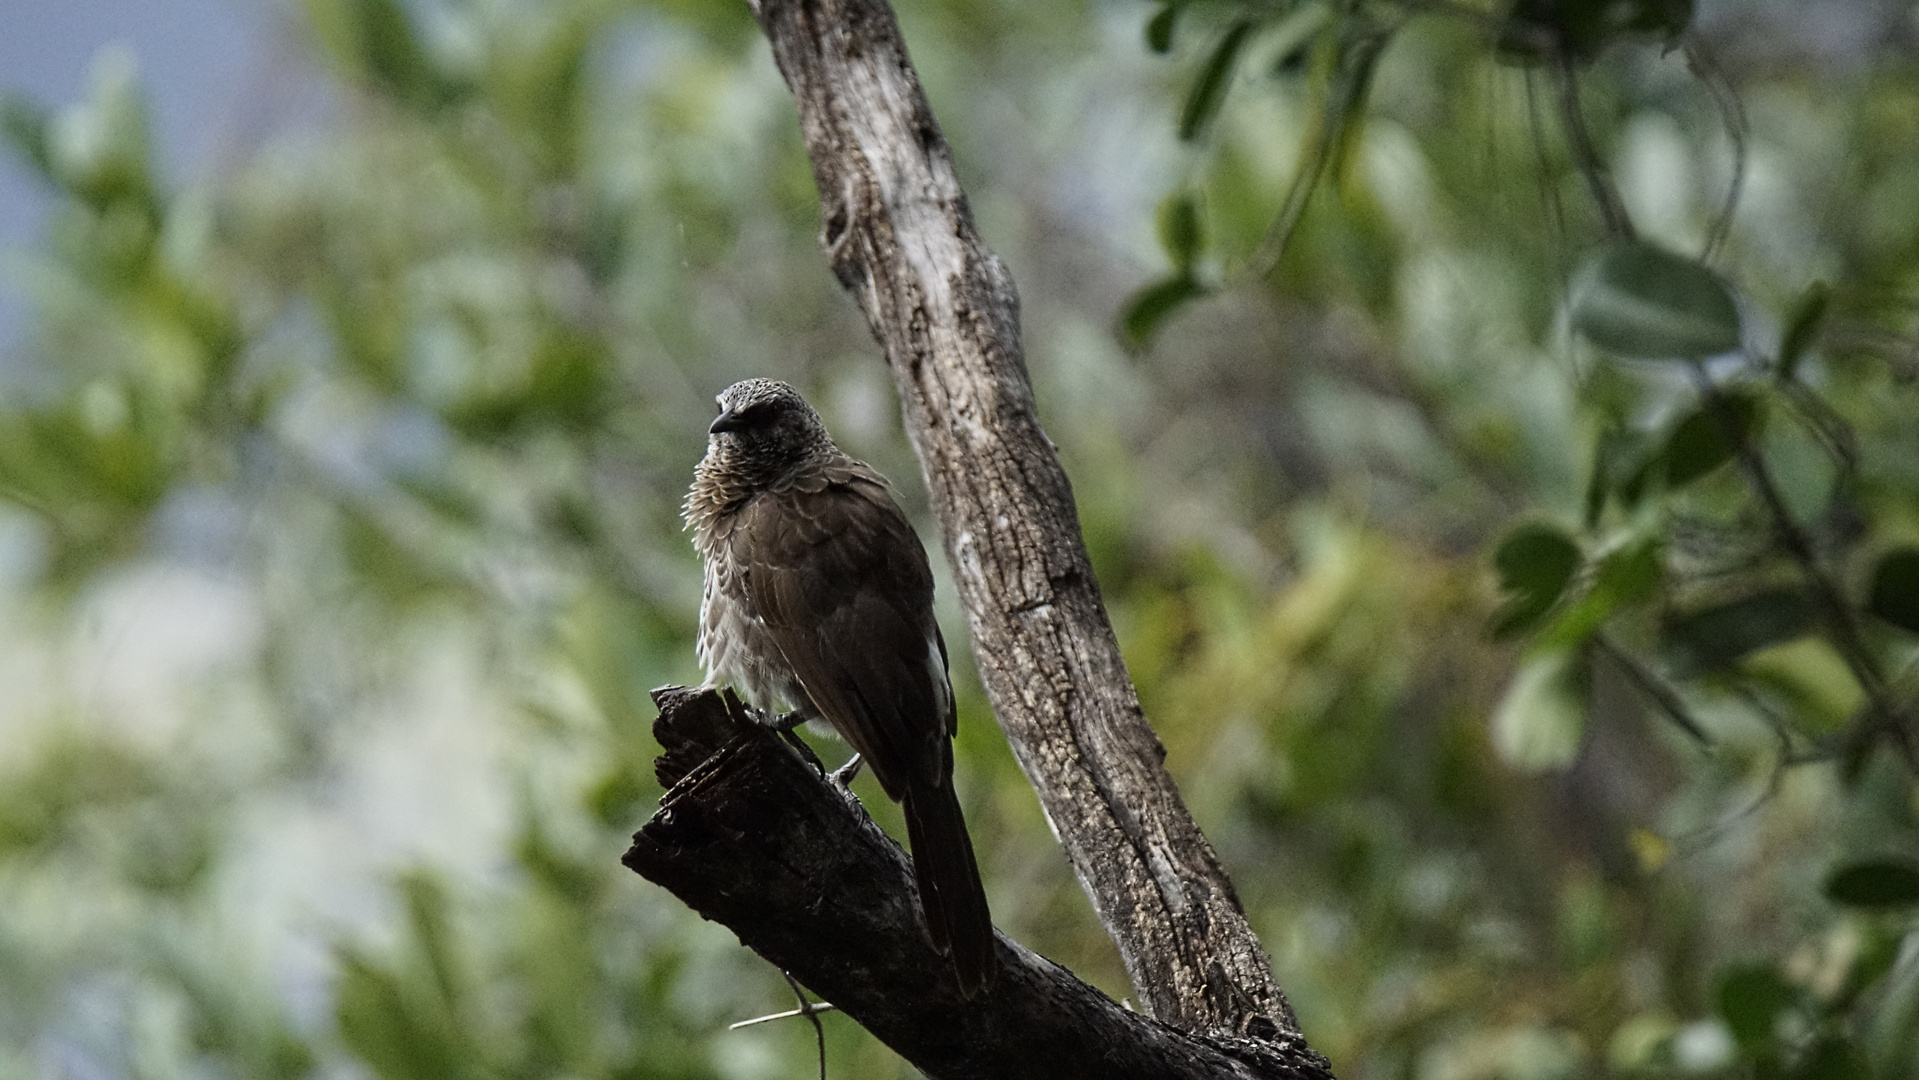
<point x="750" y="836"/>
<point x="900" y="237"/>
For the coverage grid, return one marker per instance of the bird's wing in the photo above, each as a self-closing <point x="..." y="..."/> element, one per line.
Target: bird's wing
<point x="842" y="586"/>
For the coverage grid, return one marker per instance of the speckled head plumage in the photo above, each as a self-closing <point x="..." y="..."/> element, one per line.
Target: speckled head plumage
<point x="765" y="420"/>
<point x="765" y="433"/>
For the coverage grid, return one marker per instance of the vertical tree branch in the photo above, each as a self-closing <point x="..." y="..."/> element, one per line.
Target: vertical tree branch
<point x="900" y="237"/>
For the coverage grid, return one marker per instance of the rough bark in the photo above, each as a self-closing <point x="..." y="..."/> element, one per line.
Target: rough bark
<point x="901" y="238"/>
<point x="752" y="837"/>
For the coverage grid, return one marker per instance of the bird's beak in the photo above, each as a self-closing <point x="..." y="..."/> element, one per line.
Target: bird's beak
<point x="728" y="420"/>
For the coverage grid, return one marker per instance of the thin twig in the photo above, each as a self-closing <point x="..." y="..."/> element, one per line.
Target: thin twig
<point x="1780" y="726"/>
<point x="1353" y="66"/>
<point x="1706" y="835"/>
<point x="1279" y="235"/>
<point x="1789" y="756"/>
<point x="1654" y="688"/>
<point x="818" y="1007"/>
<point x="812" y="1014"/>
<point x="1611" y="210"/>
<point x="1732" y="112"/>
<point x="809" y="1009"/>
<point x="1842" y="630"/>
<point x="1548" y="183"/>
<point x="1834" y="435"/>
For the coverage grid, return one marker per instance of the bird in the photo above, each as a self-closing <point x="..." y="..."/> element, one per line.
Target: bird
<point x="818" y="597"/>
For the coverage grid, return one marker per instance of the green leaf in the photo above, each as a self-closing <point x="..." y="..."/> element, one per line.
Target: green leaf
<point x="1622" y="459"/>
<point x="98" y="149"/>
<point x="554" y="868"/>
<point x="1209" y="90"/>
<point x="560" y="968"/>
<point x="1542" y="719"/>
<point x="1895" y="589"/>
<point x="1709" y="438"/>
<point x="249" y="1033"/>
<point x="1633" y="572"/>
<point x="399" y="572"/>
<point x="392" y="52"/>
<point x="1877" y="955"/>
<point x="1750" y="998"/>
<point x="427" y="913"/>
<point x="1180" y="230"/>
<point x="23" y="123"/>
<point x="1625" y="576"/>
<point x="390" y="1029"/>
<point x="1152" y="305"/>
<point x="1833" y="1057"/>
<point x="1668" y="18"/>
<point x="1535" y="563"/>
<point x="616" y="796"/>
<point x="1875" y="883"/>
<point x="375" y="40"/>
<point x="564" y="385"/>
<point x="1159" y="29"/>
<point x="1535" y="31"/>
<point x="537" y="81"/>
<point x="1285" y="46"/>
<point x="1808" y="312"/>
<point x="1715" y="637"/>
<point x="1603" y="478"/>
<point x="1640" y="301"/>
<point x="1895" y="1028"/>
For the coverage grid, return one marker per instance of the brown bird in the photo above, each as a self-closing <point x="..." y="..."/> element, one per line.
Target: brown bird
<point x="819" y="598"/>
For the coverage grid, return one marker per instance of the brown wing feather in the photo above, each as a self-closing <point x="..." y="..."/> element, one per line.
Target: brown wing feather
<point x="843" y="588"/>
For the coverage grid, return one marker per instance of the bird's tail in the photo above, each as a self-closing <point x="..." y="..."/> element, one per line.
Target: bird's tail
<point x="951" y="897"/>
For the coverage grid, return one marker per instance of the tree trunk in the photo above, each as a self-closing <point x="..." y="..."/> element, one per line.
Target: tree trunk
<point x="900" y="237"/>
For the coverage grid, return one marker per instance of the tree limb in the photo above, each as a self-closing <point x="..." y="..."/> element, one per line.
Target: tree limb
<point x="900" y="237"/>
<point x="750" y="836"/>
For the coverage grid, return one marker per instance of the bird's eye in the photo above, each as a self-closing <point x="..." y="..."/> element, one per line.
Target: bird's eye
<point x="741" y="418"/>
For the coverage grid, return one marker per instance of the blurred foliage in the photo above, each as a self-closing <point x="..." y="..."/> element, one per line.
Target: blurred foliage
<point x="1513" y="535"/>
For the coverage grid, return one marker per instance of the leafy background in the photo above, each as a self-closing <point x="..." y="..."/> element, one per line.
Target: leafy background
<point x="1515" y="551"/>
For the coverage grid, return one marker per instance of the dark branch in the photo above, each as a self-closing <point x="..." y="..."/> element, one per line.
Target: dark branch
<point x="751" y="837"/>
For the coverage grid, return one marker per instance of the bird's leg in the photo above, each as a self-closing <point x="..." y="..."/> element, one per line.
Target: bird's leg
<point x="843" y="776"/>
<point x="784" y="724"/>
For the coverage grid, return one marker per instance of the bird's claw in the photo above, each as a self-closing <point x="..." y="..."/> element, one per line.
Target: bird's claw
<point x="785" y="727"/>
<point x="843" y="776"/>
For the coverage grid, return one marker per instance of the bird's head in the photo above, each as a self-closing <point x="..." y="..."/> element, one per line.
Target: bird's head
<point x="767" y="423"/>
